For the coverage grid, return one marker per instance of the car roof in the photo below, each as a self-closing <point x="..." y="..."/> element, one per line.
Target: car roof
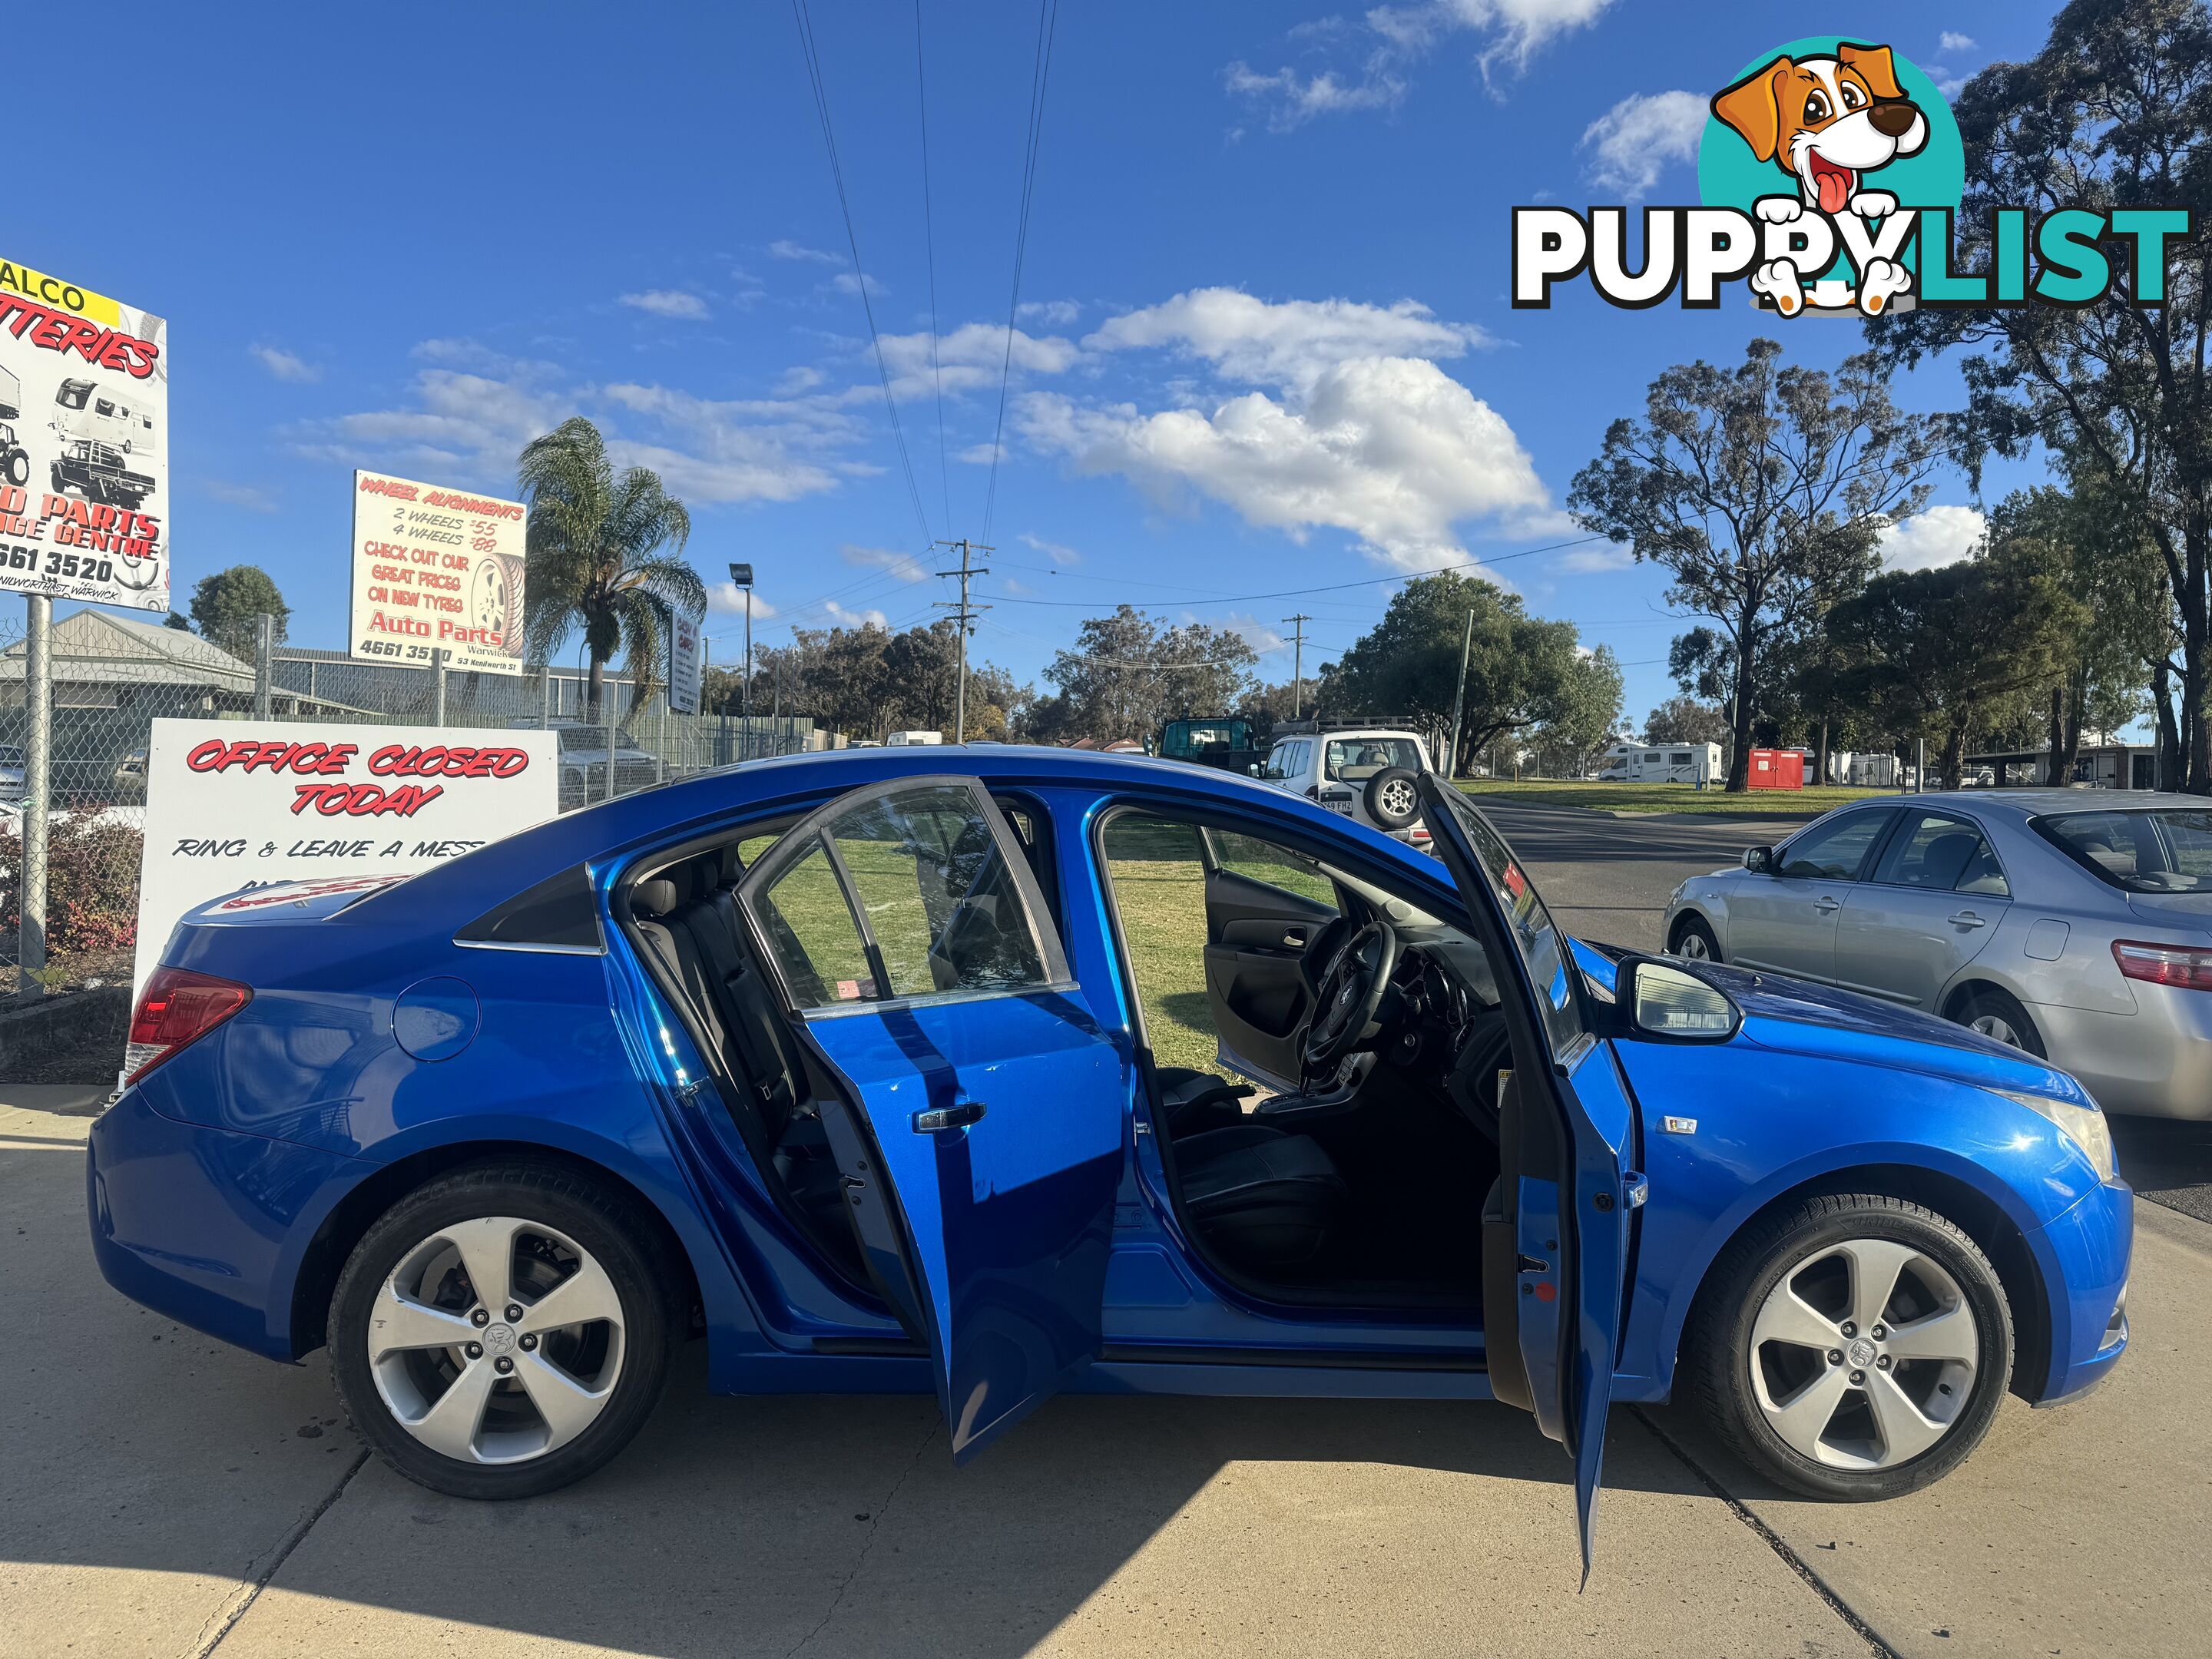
<point x="2038" y="803"/>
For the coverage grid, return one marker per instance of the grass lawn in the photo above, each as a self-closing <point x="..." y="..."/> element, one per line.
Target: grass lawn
<point x="1666" y="797"/>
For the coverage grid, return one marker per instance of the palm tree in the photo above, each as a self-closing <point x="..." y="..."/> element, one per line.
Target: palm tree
<point x="605" y="554"/>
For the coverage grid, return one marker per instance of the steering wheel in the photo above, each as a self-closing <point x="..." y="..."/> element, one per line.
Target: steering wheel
<point x="1351" y="990"/>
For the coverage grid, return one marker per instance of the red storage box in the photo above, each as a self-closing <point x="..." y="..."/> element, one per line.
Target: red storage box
<point x="1777" y="768"/>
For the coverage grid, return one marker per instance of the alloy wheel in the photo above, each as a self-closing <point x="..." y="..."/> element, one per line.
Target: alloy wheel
<point x="1997" y="1026"/>
<point x="1691" y="947"/>
<point x="496" y="1340"/>
<point x="1864" y="1353"/>
<point x="1398" y="799"/>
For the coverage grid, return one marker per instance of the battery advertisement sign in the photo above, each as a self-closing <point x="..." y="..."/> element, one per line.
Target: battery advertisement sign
<point x="84" y="416"/>
<point x="436" y="569"/>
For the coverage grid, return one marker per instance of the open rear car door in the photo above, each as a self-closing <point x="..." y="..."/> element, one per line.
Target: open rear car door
<point x="1554" y="1230"/>
<point x="973" y="1107"/>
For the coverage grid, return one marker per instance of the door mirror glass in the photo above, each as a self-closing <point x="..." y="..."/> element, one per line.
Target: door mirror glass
<point x="1666" y="1002"/>
<point x="1759" y="859"/>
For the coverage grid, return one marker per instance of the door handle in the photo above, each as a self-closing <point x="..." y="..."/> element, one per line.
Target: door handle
<point x="1967" y="918"/>
<point x="948" y="1117"/>
<point x="1827" y="906"/>
<point x="1294" y="941"/>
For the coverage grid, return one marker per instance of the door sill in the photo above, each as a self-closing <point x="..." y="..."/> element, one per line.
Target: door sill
<point x="1396" y="1359"/>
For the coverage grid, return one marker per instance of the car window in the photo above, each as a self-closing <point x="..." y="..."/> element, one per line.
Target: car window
<point x="1984" y="874"/>
<point x="2143" y="852"/>
<point x="1934" y="850"/>
<point x="1835" y="850"/>
<point x="938" y="893"/>
<point x="813" y="935"/>
<point x="1543" y="948"/>
<point x="1279" y="867"/>
<point x="1279" y="762"/>
<point x="1355" y="760"/>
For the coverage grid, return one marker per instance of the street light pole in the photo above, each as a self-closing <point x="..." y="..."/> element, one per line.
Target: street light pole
<point x="741" y="576"/>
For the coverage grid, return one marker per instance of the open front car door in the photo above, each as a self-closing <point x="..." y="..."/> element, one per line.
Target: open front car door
<point x="1555" y="1230"/>
<point x="974" y="1107"/>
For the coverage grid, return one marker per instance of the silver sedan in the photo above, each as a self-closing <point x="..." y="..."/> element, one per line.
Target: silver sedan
<point x="2077" y="926"/>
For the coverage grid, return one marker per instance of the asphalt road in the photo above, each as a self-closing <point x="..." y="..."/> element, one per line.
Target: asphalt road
<point x="163" y="1495"/>
<point x="1608" y="878"/>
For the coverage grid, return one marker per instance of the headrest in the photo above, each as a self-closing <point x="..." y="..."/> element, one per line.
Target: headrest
<point x="653" y="898"/>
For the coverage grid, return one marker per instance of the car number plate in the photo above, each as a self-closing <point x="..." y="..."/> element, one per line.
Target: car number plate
<point x="1343" y="806"/>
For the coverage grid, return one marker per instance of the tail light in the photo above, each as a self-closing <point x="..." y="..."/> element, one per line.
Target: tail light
<point x="2165" y="964"/>
<point x="177" y="1007"/>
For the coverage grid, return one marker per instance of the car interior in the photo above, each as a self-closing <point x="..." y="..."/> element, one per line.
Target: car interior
<point x="1340" y="1174"/>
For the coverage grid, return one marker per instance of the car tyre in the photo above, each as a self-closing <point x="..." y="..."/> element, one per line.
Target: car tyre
<point x="1762" y="1386"/>
<point x="566" y="1227"/>
<point x="1693" y="941"/>
<point x="1392" y="798"/>
<point x="1997" y="1015"/>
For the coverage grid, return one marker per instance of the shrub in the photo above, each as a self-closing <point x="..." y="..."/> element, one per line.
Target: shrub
<point x="92" y="885"/>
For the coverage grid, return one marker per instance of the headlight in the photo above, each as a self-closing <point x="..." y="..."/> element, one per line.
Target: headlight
<point x="2084" y="1126"/>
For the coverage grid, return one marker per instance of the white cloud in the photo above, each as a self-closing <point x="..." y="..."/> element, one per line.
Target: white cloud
<point x="1391" y="449"/>
<point x="1951" y="40"/>
<point x="1052" y="314"/>
<point x="1288" y="344"/>
<point x="668" y="302"/>
<point x="846" y="282"/>
<point x="971" y="357"/>
<point x="1292" y="100"/>
<point x="470" y="423"/>
<point x="285" y="366"/>
<point x="784" y="248"/>
<point x="1631" y="144"/>
<point x="252" y="497"/>
<point x="1390" y="40"/>
<point x="792" y="382"/>
<point x="728" y="596"/>
<point x="853" y="619"/>
<point x="905" y="566"/>
<point x="1254" y="633"/>
<point x="1053" y="551"/>
<point x="1590" y="561"/>
<point x="1933" y="536"/>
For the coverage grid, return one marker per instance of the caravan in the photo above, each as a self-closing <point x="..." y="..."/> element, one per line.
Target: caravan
<point x="1664" y="763"/>
<point x="107" y="440"/>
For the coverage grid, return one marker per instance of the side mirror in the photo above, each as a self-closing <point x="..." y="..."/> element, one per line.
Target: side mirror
<point x="1675" y="1006"/>
<point x="1256" y="769"/>
<point x="1759" y="859"/>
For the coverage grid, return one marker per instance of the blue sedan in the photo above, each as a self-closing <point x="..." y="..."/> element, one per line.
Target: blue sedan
<point x="849" y="1066"/>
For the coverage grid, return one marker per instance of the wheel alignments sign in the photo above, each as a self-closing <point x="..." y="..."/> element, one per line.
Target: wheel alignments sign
<point x="436" y="570"/>
<point x="84" y="416"/>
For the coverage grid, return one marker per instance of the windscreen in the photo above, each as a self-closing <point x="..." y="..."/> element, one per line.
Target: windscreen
<point x="1355" y="760"/>
<point x="2163" y="851"/>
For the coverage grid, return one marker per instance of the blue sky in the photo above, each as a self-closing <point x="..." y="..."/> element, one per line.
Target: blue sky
<point x="413" y="238"/>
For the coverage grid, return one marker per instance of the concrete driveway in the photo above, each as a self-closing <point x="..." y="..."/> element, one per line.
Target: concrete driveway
<point x="162" y="1495"/>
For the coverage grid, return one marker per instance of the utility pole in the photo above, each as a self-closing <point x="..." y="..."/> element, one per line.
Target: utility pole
<point x="1459" y="699"/>
<point x="1298" y="662"/>
<point x="965" y="614"/>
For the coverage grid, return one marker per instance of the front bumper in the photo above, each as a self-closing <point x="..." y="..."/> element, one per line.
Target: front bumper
<point x="208" y="1226"/>
<point x="2085" y="1254"/>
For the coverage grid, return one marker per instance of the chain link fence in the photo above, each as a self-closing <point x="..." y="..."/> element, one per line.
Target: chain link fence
<point x="114" y="674"/>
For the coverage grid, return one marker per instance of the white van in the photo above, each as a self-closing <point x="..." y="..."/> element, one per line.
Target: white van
<point x="905" y="739"/>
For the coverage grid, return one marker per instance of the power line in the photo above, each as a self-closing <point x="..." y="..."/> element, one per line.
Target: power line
<point x="859" y="275"/>
<point x="929" y="245"/>
<point x="1047" y="23"/>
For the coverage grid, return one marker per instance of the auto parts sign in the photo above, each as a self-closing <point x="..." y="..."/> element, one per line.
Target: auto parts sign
<point x="436" y="569"/>
<point x="84" y="442"/>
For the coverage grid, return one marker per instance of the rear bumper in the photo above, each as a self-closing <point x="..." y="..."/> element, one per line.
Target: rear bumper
<point x="208" y="1226"/>
<point x="2155" y="1062"/>
<point x="2089" y="1247"/>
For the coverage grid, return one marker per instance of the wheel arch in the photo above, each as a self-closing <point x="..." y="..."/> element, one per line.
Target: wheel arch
<point x="352" y="1216"/>
<point x="1979" y="1217"/>
<point x="1695" y="912"/>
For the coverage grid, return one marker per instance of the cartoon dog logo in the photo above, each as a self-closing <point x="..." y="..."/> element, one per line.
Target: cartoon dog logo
<point x="1828" y="121"/>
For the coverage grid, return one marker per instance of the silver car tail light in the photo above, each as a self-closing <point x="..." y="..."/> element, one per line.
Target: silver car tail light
<point x="2165" y="964"/>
